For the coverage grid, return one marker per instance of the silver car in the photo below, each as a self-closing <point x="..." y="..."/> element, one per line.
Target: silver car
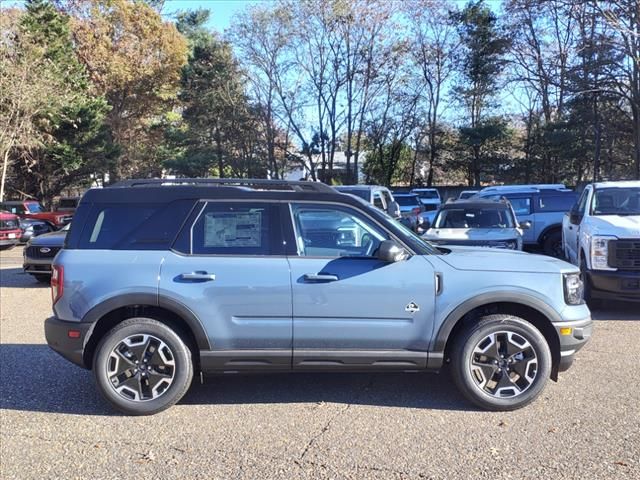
<point x="482" y="223"/>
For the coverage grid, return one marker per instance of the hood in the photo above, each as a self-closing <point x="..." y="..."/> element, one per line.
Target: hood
<point x="482" y="234"/>
<point x="622" y="226"/>
<point x="53" y="239"/>
<point x="482" y="259"/>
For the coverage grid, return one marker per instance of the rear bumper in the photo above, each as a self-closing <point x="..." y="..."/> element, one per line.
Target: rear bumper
<point x="57" y="334"/>
<point x="573" y="336"/>
<point x="617" y="285"/>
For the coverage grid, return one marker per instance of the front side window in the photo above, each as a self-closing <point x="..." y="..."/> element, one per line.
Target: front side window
<point x="335" y="231"/>
<point x="521" y="206"/>
<point x="238" y="228"/>
<point x="616" y="201"/>
<point x="377" y="201"/>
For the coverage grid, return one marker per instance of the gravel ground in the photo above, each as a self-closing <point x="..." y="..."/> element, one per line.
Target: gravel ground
<point x="54" y="424"/>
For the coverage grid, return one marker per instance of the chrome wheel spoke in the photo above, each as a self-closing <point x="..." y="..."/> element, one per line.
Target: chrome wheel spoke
<point x="503" y="364"/>
<point x="141" y="367"/>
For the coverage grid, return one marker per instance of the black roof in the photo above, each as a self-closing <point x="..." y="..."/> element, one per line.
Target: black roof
<point x="168" y="190"/>
<point x="476" y="203"/>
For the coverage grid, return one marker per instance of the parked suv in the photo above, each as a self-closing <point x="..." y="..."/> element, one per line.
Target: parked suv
<point x="482" y="223"/>
<point x="32" y="209"/>
<point x="601" y="234"/>
<point x="159" y="280"/>
<point x="543" y="206"/>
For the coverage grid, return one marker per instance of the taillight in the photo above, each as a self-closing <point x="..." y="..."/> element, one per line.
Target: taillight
<point x="57" y="283"/>
<point x="416" y="210"/>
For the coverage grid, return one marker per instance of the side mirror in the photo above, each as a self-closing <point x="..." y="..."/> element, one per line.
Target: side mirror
<point x="390" y="252"/>
<point x="526" y="225"/>
<point x="393" y="209"/>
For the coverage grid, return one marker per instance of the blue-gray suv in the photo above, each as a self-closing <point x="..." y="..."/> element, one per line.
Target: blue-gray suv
<point x="161" y="280"/>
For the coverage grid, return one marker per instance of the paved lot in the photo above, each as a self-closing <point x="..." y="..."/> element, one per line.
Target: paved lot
<point x="53" y="423"/>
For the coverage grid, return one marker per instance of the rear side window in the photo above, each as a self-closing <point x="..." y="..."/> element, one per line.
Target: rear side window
<point x="133" y="226"/>
<point x="238" y="228"/>
<point x="559" y="203"/>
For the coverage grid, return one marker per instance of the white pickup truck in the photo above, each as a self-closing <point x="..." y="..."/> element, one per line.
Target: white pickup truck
<point x="601" y="235"/>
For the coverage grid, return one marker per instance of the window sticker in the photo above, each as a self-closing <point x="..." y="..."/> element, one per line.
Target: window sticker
<point x="232" y="229"/>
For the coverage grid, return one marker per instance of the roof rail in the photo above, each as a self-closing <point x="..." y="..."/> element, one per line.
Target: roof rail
<point x="256" y="184"/>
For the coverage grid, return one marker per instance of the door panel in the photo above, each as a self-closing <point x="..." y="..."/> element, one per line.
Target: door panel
<point x="247" y="306"/>
<point x="372" y="305"/>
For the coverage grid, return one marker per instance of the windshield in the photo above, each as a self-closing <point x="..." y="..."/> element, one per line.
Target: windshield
<point x="428" y="194"/>
<point x="616" y="201"/>
<point x="34" y="207"/>
<point x="358" y="192"/>
<point x="474" y="218"/>
<point x="465" y="195"/>
<point x="407" y="200"/>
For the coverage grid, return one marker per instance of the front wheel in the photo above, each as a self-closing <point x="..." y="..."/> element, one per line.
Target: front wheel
<point x="142" y="366"/>
<point x="42" y="278"/>
<point x="501" y="363"/>
<point x="553" y="245"/>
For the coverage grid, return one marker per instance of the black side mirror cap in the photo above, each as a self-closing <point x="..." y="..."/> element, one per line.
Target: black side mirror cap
<point x="390" y="252"/>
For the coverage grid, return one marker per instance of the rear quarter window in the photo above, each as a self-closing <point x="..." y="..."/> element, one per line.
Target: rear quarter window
<point x="560" y="203"/>
<point x="133" y="226"/>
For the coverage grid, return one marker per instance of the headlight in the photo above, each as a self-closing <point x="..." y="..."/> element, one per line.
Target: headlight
<point x="600" y="252"/>
<point x="573" y="289"/>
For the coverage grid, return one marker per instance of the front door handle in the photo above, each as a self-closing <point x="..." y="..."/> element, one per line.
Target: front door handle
<point x="207" y="277"/>
<point x="319" y="277"/>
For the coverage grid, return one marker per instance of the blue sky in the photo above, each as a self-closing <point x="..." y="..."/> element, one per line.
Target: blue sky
<point x="223" y="10"/>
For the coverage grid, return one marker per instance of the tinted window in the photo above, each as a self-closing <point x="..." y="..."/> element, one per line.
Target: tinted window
<point x="561" y="203"/>
<point x="358" y="192"/>
<point x="333" y="231"/>
<point x="616" y="201"/>
<point x="428" y="195"/>
<point x="377" y="200"/>
<point x="582" y="203"/>
<point x="34" y="207"/>
<point x="240" y="228"/>
<point x="133" y="226"/>
<point x="15" y="209"/>
<point x="407" y="200"/>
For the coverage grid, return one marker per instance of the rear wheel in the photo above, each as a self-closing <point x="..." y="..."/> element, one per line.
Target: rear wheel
<point x="142" y="366"/>
<point x="501" y="363"/>
<point x="552" y="245"/>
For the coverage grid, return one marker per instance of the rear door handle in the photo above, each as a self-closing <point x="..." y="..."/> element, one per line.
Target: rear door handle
<point x="319" y="277"/>
<point x="207" y="277"/>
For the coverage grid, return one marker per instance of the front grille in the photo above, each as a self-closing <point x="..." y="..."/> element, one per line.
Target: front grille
<point x="8" y="225"/>
<point x="41" y="252"/>
<point x="625" y="254"/>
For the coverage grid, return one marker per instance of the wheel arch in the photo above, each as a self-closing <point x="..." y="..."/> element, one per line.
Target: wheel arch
<point x="106" y="315"/>
<point x="556" y="227"/>
<point x="531" y="309"/>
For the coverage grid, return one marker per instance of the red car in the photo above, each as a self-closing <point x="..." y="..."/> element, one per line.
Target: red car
<point x="10" y="231"/>
<point x="32" y="209"/>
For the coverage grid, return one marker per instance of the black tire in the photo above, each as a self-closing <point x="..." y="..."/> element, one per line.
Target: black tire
<point x="42" y="278"/>
<point x="178" y="351"/>
<point x="536" y="362"/>
<point x="552" y="245"/>
<point x="593" y="303"/>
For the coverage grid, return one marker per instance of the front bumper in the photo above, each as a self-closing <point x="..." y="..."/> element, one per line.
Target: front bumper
<point x="616" y="285"/>
<point x="573" y="336"/>
<point x="9" y="241"/>
<point x="57" y="334"/>
<point x="40" y="266"/>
